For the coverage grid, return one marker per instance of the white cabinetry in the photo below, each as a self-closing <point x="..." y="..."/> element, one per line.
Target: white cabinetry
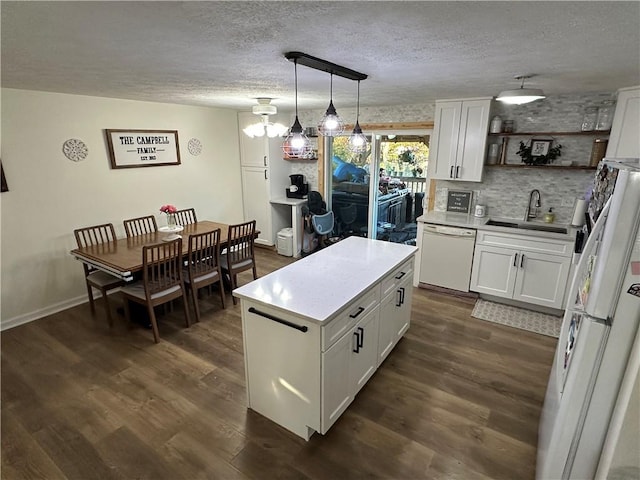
<point x="303" y="373"/>
<point x="459" y="139"/>
<point x="519" y="267"/>
<point x="395" y="308"/>
<point x="623" y="140"/>
<point x="264" y="175"/>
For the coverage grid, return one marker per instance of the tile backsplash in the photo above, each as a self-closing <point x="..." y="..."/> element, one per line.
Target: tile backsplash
<point x="505" y="191"/>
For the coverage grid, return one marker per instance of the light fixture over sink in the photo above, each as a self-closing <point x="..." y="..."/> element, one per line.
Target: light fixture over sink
<point x="521" y="95"/>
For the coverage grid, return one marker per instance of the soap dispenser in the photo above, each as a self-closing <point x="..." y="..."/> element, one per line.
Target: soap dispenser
<point x="549" y="217"/>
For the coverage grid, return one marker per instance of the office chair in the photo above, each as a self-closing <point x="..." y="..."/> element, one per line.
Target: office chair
<point x="323" y="226"/>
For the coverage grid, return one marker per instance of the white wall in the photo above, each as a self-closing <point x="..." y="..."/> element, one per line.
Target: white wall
<point x="49" y="196"/>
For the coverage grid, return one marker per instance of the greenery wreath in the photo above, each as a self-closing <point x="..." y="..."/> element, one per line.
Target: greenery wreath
<point x="527" y="158"/>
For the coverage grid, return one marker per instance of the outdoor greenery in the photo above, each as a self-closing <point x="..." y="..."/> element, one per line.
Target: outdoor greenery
<point x="398" y="158"/>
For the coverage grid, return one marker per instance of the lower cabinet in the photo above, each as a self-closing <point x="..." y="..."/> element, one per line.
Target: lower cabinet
<point x="347" y="366"/>
<point x="519" y="267"/>
<point x="395" y="309"/>
<point x="303" y="375"/>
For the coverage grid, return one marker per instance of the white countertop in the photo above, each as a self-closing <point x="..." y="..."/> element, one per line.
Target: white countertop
<point x="318" y="286"/>
<point x="463" y="220"/>
<point x="288" y="201"/>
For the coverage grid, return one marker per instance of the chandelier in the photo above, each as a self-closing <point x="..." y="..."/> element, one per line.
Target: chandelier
<point x="264" y="126"/>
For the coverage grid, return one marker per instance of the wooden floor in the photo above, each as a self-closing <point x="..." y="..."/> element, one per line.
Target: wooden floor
<point x="458" y="398"/>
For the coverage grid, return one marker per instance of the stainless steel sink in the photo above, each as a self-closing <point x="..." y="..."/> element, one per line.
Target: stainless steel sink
<point x="527" y="226"/>
<point x="497" y="223"/>
<point x="542" y="228"/>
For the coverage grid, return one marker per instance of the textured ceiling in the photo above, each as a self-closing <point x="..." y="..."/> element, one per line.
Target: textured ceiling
<point x="228" y="53"/>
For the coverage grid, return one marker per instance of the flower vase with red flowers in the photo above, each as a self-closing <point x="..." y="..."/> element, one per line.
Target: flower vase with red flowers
<point x="170" y="211"/>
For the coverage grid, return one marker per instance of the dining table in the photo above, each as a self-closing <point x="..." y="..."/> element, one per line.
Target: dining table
<point x="123" y="256"/>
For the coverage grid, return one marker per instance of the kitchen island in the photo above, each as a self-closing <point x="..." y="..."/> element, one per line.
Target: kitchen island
<point x="315" y="331"/>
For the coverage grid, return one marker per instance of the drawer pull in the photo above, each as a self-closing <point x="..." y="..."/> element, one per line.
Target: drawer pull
<point x="360" y="310"/>
<point x="402" y="274"/>
<point x="302" y="328"/>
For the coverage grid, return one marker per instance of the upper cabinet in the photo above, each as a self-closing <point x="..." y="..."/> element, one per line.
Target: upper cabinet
<point x="624" y="141"/>
<point x="459" y="139"/>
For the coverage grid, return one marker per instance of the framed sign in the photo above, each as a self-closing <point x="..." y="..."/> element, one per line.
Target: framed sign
<point x="459" y="201"/>
<point x="540" y="148"/>
<point x="143" y="148"/>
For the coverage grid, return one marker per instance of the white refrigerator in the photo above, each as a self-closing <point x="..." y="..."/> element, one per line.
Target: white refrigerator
<point x="598" y="330"/>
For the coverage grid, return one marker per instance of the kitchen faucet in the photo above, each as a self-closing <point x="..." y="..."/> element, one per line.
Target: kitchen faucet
<point x="527" y="214"/>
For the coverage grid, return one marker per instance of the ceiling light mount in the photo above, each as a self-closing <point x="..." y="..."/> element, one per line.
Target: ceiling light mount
<point x="521" y="95"/>
<point x="324" y="66"/>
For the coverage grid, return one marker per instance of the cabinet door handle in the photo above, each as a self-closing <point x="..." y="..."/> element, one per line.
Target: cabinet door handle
<point x="457" y="172"/>
<point x="361" y="338"/>
<point x="399" y="300"/>
<point x="451" y="172"/>
<point x="522" y="261"/>
<point x="401" y="295"/>
<point x="357" y="347"/>
<point x="302" y="328"/>
<point x="515" y="260"/>
<point x="402" y="274"/>
<point x="265" y="175"/>
<point x="354" y="315"/>
<point x="264" y="161"/>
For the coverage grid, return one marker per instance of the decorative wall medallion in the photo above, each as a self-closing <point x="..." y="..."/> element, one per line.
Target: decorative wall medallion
<point x="75" y="149"/>
<point x="195" y="147"/>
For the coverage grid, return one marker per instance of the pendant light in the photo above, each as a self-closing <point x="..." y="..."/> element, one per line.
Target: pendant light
<point x="521" y="95"/>
<point x="331" y="124"/>
<point x="357" y="140"/>
<point x="296" y="145"/>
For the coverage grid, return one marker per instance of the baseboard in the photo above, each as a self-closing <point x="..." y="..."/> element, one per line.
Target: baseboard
<point x="43" y="312"/>
<point x="448" y="291"/>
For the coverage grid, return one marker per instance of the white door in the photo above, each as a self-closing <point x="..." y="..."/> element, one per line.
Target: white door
<point x="472" y="140"/>
<point x="255" y="196"/>
<point x="403" y="315"/>
<point x="365" y="351"/>
<point x="444" y="146"/>
<point x="253" y="151"/>
<point x="494" y="271"/>
<point x="541" y="279"/>
<point x="336" y="382"/>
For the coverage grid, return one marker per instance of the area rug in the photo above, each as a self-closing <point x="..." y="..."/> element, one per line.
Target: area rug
<point x="517" y="317"/>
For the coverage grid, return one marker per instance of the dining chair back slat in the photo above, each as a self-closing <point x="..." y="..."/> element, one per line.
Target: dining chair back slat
<point x="186" y="216"/>
<point x="98" y="235"/>
<point x="162" y="281"/>
<point x="239" y="255"/>
<point x="140" y="225"/>
<point x="203" y="265"/>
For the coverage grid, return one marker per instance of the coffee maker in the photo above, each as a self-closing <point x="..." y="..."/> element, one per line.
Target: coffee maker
<point x="297" y="189"/>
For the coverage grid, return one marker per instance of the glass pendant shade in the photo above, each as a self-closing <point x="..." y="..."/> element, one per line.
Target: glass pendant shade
<point x="331" y="124"/>
<point x="296" y="144"/>
<point x="357" y="140"/>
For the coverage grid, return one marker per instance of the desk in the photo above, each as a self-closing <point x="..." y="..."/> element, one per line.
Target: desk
<point x="295" y="205"/>
<point x="123" y="257"/>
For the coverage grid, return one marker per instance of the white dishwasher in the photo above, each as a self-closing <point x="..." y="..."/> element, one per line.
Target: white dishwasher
<point x="447" y="256"/>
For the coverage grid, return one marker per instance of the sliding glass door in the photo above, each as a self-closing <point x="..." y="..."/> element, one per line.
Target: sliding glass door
<point x="379" y="193"/>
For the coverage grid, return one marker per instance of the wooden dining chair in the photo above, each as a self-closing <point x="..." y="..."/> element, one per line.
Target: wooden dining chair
<point x="161" y="282"/>
<point x="94" y="278"/>
<point x="203" y="265"/>
<point x="140" y="225"/>
<point x="186" y="216"/>
<point x="239" y="255"/>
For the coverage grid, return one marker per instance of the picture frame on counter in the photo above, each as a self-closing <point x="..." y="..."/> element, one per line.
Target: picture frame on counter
<point x="142" y="148"/>
<point x="459" y="201"/>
